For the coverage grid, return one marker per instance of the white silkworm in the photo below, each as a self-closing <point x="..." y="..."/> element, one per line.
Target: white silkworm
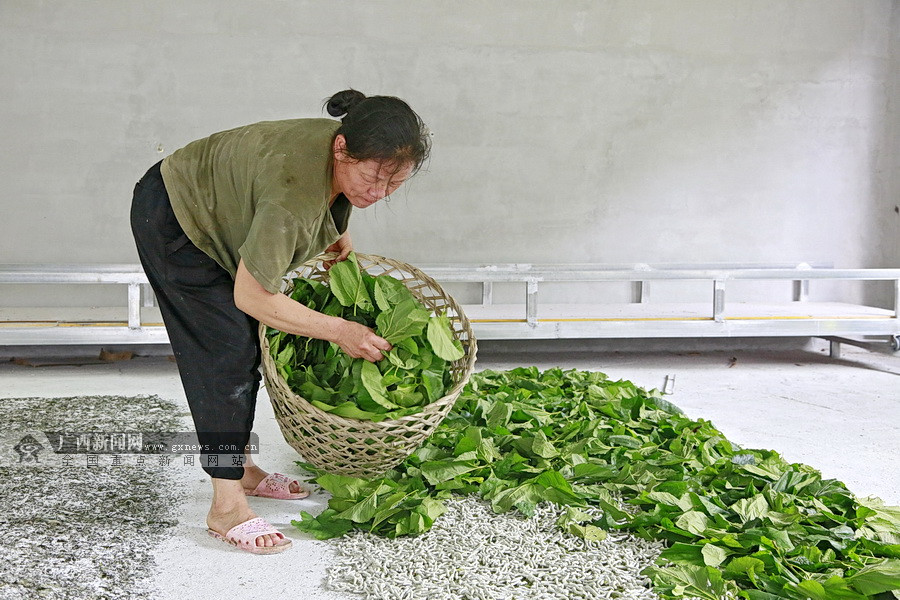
<point x="473" y="554"/>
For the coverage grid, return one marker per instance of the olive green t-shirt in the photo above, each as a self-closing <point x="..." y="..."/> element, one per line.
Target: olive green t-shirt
<point x="259" y="193"/>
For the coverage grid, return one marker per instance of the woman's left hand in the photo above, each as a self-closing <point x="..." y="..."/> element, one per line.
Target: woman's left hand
<point x="343" y="247"/>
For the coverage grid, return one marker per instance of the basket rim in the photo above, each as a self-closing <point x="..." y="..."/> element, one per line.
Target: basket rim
<point x="441" y="404"/>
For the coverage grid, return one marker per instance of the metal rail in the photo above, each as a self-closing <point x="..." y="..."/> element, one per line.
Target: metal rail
<point x="533" y="275"/>
<point x="715" y="323"/>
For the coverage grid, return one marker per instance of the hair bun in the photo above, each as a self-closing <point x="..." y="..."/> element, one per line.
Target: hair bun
<point x="342" y="102"/>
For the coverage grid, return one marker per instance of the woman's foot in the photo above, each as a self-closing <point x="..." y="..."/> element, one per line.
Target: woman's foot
<point x="253" y="475"/>
<point x="230" y="508"/>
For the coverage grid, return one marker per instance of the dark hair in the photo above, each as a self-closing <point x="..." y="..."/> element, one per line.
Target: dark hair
<point x="380" y="128"/>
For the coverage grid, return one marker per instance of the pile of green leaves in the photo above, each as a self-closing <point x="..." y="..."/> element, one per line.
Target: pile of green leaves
<point x="736" y="522"/>
<point x="412" y="374"/>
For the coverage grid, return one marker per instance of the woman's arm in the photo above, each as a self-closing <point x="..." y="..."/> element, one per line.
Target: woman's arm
<point x="282" y="313"/>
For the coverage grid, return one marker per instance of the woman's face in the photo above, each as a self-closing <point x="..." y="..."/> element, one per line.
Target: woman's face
<point x="365" y="182"/>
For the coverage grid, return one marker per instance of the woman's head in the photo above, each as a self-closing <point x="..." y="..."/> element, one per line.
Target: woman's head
<point x="381" y="142"/>
<point x="382" y="128"/>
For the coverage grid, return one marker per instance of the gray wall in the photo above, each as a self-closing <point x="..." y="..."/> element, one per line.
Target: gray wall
<point x="890" y="168"/>
<point x="567" y="131"/>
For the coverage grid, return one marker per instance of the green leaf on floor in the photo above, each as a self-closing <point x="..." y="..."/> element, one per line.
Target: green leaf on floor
<point x="736" y="522"/>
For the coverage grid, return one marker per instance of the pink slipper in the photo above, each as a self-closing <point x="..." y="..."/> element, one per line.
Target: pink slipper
<point x="244" y="536"/>
<point x="276" y="485"/>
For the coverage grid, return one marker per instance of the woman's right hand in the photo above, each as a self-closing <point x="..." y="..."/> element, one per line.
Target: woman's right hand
<point x="360" y="342"/>
<point x="282" y="313"/>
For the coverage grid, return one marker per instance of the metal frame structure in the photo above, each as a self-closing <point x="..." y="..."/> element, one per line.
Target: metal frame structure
<point x="840" y="325"/>
<point x="843" y="324"/>
<point x="84" y="332"/>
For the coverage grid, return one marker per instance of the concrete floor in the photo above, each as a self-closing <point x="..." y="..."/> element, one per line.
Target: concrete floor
<point x="841" y="416"/>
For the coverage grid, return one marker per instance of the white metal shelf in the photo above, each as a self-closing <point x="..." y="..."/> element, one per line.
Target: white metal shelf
<point x="137" y="323"/>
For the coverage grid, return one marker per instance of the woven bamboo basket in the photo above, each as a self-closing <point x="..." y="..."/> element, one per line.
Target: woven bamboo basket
<point x="364" y="448"/>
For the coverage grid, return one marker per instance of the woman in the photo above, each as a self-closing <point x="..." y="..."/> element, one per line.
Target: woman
<point x="217" y="226"/>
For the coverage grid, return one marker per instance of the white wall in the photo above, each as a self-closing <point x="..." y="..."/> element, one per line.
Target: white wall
<point x="568" y="131"/>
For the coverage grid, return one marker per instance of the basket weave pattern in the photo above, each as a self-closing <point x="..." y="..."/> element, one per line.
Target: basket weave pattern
<point x="364" y="448"/>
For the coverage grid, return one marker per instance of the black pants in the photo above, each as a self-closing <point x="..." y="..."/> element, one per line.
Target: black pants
<point x="216" y="345"/>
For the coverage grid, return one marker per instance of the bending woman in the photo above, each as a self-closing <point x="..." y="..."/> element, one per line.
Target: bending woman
<point x="218" y="224"/>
